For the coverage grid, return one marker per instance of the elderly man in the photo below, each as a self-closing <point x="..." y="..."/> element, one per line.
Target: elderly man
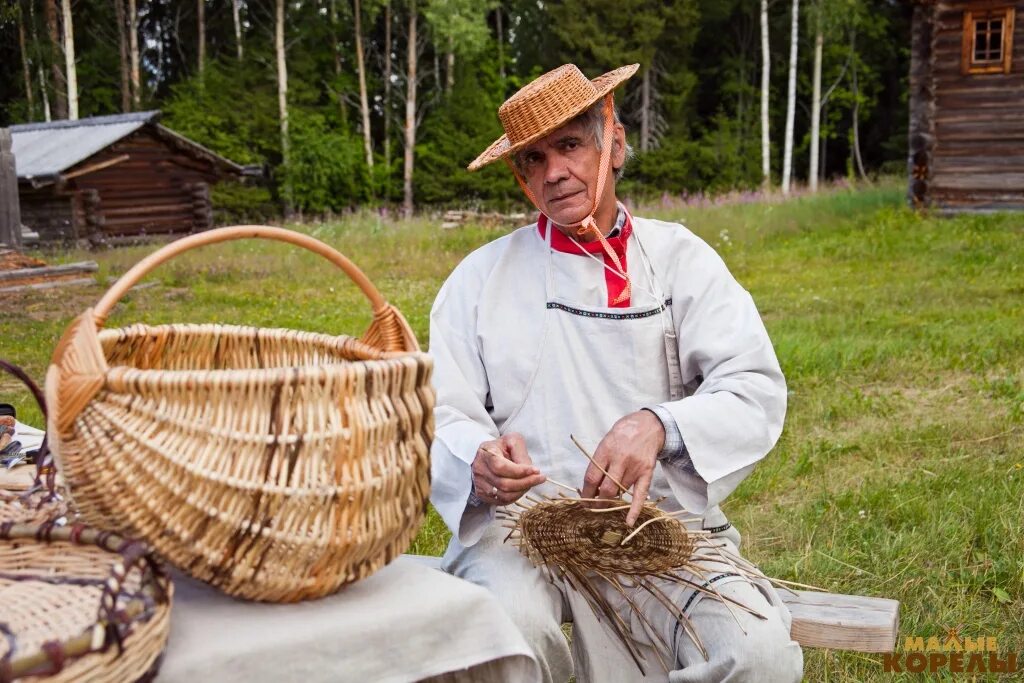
<point x="630" y="334"/>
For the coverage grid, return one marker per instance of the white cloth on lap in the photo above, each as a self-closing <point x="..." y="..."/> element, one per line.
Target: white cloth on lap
<point x="406" y="622"/>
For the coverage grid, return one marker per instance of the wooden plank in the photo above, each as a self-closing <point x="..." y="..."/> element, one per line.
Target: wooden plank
<point x="843" y="622"/>
<point x="831" y="620"/>
<point x="10" y="205"/>
<point x="49" y="271"/>
<point x="77" y="282"/>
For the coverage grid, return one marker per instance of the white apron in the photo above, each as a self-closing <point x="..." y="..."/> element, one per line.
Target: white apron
<point x="597" y="365"/>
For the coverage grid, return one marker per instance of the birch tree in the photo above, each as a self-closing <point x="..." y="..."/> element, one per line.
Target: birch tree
<point x="819" y="41"/>
<point x="69" y="60"/>
<point x="410" y="113"/>
<point x="364" y="104"/>
<point x="133" y="50"/>
<point x="236" y="17"/>
<point x="282" y="100"/>
<point x="787" y="155"/>
<point x="766" y="160"/>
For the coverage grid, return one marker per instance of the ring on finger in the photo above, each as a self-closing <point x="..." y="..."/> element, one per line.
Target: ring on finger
<point x="494" y="491"/>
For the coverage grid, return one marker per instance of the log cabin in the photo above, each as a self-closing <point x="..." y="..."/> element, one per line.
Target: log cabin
<point x="966" y="133"/>
<point x="106" y="178"/>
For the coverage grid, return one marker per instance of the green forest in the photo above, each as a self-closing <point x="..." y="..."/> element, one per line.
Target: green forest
<point x="383" y="103"/>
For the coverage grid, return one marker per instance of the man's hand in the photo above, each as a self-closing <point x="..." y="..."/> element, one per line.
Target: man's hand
<point x="503" y="471"/>
<point x="628" y="452"/>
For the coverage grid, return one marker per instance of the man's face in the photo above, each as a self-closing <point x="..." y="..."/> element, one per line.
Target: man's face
<point x="561" y="171"/>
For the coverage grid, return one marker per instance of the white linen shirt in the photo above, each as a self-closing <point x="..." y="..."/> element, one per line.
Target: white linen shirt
<point x="486" y="327"/>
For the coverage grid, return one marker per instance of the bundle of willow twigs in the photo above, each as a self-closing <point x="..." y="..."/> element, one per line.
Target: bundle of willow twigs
<point x="585" y="543"/>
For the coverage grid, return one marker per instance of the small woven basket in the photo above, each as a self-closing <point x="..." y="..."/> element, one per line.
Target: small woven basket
<point x="276" y="465"/>
<point x="43" y="500"/>
<point x="79" y="605"/>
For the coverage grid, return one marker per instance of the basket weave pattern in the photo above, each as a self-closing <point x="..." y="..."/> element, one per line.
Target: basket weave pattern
<point x="274" y="464"/>
<point x="567" y="533"/>
<point x="228" y="447"/>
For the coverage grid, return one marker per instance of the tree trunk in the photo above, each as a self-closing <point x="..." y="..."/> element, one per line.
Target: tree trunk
<point x="645" y="110"/>
<point x="69" y="60"/>
<point x="27" y="72"/>
<point x="60" y="88"/>
<point x="133" y="49"/>
<point x="787" y="156"/>
<point x="766" y="166"/>
<point x="235" y="15"/>
<point x="282" y="102"/>
<point x="438" y="84"/>
<point x="201" y="18"/>
<point x="46" y="97"/>
<point x="449" y="68"/>
<point x="501" y="49"/>
<point x="387" y="85"/>
<point x="856" y="123"/>
<point x="122" y="44"/>
<point x="410" y="114"/>
<point x="364" y="104"/>
<point x="812" y="171"/>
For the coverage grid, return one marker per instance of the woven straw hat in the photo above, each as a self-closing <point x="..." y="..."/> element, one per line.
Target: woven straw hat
<point x="546" y="104"/>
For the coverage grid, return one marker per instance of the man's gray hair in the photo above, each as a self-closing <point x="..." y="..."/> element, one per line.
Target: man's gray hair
<point x="593" y="120"/>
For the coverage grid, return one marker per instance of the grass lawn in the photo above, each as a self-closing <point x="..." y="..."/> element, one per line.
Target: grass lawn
<point x="901" y="469"/>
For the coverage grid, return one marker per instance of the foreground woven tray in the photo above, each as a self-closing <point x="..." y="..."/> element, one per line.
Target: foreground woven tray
<point x="79" y="605"/>
<point x="274" y="464"/>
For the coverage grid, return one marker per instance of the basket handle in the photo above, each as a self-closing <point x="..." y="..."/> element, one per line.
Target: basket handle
<point x="237" y="232"/>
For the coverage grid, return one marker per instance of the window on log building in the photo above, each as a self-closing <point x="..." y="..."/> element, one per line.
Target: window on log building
<point x="987" y="41"/>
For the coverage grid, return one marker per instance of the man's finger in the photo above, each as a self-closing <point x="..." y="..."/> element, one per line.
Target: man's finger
<point x="517" y="485"/>
<point x="502" y="467"/>
<point x="515" y="449"/>
<point x="608" y="488"/>
<point x="640" y="489"/>
<point x="591" y="480"/>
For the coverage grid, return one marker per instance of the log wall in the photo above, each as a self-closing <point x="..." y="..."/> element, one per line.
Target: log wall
<point x="969" y="128"/>
<point x="158" y="189"/>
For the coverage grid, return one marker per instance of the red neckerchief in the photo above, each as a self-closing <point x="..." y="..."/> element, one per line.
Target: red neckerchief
<point x="614" y="283"/>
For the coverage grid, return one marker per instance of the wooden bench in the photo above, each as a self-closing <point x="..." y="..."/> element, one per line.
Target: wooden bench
<point x="830" y="620"/>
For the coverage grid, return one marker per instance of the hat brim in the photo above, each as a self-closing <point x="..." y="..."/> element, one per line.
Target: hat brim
<point x="604" y="84"/>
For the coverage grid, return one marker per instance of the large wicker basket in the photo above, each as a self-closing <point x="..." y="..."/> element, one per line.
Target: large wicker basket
<point x="274" y="464"/>
<point x="79" y="604"/>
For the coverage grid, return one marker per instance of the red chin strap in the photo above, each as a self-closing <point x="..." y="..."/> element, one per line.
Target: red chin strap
<point x="588" y="224"/>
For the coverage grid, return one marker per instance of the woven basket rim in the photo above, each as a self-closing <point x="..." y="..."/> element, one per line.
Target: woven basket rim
<point x="286" y="375"/>
<point x="283" y="373"/>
